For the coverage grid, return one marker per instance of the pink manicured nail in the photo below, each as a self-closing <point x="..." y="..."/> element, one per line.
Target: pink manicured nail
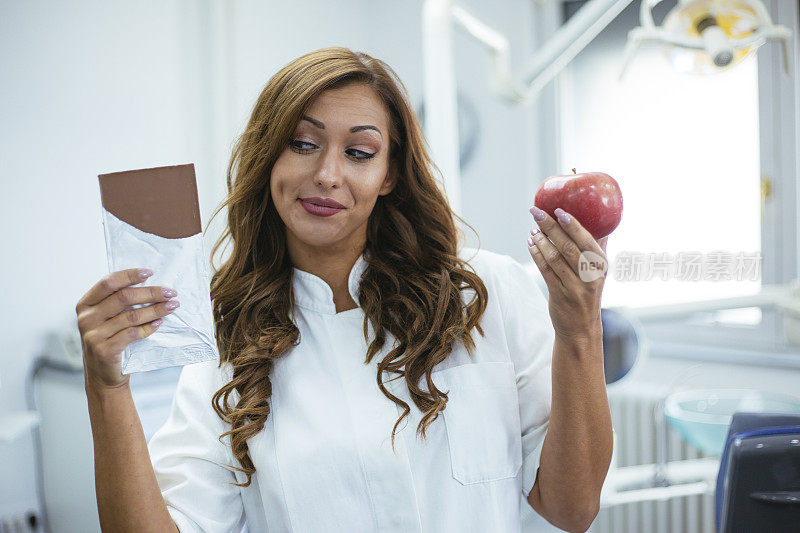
<point x="157" y="322"/>
<point x="537" y="213"/>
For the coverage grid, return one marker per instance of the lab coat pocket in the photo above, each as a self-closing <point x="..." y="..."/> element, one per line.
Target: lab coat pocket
<point x="482" y="421"/>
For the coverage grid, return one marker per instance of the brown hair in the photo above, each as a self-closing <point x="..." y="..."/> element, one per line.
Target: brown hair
<point x="413" y="280"/>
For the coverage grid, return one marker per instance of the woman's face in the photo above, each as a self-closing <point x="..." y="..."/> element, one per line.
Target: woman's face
<point x="339" y="151"/>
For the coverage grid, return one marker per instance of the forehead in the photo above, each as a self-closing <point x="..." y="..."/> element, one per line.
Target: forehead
<point x="351" y="105"/>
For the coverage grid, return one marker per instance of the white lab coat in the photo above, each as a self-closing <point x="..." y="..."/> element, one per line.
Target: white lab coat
<point x="324" y="461"/>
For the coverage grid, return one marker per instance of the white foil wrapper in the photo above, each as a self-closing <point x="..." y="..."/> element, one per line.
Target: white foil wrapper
<point x="187" y="334"/>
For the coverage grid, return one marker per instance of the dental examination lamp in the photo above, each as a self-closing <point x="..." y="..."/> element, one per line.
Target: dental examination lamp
<point x="708" y="36"/>
<point x="703" y="36"/>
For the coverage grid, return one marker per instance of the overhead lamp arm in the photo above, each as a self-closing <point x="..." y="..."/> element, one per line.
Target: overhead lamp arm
<point x="550" y="59"/>
<point x="441" y="124"/>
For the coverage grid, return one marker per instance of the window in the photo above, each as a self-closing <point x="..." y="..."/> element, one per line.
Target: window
<point x="686" y="151"/>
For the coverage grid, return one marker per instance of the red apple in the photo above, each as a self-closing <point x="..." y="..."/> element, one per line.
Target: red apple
<point x="593" y="198"/>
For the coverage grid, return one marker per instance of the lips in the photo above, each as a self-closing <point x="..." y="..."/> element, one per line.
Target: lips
<point x="319" y="210"/>
<point x="324" y="202"/>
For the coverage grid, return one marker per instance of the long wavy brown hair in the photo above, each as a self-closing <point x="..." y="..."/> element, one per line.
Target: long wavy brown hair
<point x="411" y="286"/>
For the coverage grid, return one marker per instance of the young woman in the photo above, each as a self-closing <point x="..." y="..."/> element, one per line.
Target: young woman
<point x="351" y="392"/>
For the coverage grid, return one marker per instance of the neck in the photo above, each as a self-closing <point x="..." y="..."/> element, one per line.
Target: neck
<point x="331" y="264"/>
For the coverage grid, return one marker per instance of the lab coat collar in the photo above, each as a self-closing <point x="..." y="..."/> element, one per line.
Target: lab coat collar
<point x="312" y="292"/>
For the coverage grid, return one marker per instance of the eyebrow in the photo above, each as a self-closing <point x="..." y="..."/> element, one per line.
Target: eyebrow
<point x="354" y="129"/>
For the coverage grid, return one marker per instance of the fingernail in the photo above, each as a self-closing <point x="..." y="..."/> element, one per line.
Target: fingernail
<point x="157" y="322"/>
<point x="145" y="273"/>
<point x="169" y="293"/>
<point x="537" y="213"/>
<point x="562" y="216"/>
<point x="535" y="231"/>
<point x="172" y="304"/>
<point x="530" y="242"/>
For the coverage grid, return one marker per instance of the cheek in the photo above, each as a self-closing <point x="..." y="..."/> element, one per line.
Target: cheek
<point x="280" y="178"/>
<point x="371" y="183"/>
<point x="366" y="192"/>
<point x="274" y="187"/>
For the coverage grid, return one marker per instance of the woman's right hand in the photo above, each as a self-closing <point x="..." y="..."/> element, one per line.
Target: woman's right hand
<point x="107" y="328"/>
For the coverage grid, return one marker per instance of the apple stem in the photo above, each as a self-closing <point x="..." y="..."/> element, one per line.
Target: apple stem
<point x="573" y="171"/>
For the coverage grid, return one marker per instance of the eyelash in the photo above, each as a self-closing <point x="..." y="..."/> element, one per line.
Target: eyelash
<point x="366" y="156"/>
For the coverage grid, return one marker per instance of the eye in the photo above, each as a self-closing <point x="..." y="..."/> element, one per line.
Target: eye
<point x="294" y="144"/>
<point x="364" y="155"/>
<point x="297" y="146"/>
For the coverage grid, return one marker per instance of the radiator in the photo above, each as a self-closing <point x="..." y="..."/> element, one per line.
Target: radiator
<point x="632" y="415"/>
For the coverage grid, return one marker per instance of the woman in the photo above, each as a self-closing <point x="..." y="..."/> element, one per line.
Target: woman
<point x="351" y="393"/>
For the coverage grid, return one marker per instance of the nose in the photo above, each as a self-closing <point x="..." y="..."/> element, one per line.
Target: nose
<point x="329" y="172"/>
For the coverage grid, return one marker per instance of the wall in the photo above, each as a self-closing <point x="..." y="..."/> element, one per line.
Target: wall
<point x="88" y="87"/>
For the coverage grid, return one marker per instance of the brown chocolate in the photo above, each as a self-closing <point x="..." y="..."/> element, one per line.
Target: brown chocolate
<point x="161" y="200"/>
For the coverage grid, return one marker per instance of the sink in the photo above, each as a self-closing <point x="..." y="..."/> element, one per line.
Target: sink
<point x="702" y="417"/>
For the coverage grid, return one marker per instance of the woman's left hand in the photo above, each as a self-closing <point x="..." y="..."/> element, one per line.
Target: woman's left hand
<point x="574" y="266"/>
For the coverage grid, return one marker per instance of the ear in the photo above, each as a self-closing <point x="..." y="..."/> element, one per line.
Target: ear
<point x="389" y="182"/>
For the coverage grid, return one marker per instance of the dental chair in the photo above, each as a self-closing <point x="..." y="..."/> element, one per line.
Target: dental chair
<point x="758" y="484"/>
